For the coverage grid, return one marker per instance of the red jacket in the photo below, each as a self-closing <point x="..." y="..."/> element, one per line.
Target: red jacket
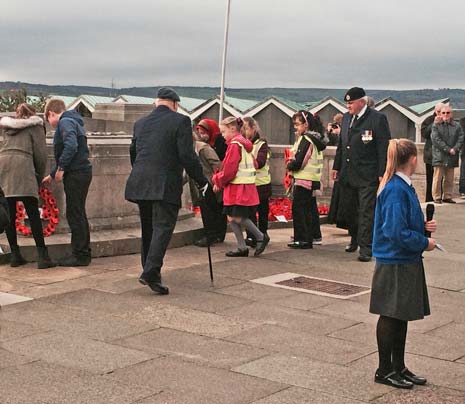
<point x="235" y="194"/>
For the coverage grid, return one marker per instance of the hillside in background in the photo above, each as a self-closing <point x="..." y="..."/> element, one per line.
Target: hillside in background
<point x="406" y="97"/>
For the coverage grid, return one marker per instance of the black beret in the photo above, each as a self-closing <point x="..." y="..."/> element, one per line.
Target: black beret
<point x="355" y="93"/>
<point x="166" y="93"/>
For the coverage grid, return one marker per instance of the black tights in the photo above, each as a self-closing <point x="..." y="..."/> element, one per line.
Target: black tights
<point x="391" y="334"/>
<point x="32" y="210"/>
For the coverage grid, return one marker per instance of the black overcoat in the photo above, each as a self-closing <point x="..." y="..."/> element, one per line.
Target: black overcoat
<point x="161" y="147"/>
<point x="359" y="162"/>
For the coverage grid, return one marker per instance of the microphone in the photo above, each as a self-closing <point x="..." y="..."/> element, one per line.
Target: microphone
<point x="429" y="216"/>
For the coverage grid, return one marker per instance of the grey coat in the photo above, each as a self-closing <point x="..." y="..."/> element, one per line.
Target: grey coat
<point x="23" y="156"/>
<point x="446" y="136"/>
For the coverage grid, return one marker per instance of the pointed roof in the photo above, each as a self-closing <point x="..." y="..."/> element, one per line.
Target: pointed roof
<point x="89" y="101"/>
<point x="315" y="107"/>
<point x="134" y="99"/>
<point x="421" y="109"/>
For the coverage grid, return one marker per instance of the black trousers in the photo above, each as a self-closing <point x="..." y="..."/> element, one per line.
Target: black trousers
<point x="32" y="209"/>
<point x="158" y="220"/>
<point x="302" y="214"/>
<point x="462" y="173"/>
<point x="263" y="210"/>
<point x="429" y="182"/>
<point x="316" y="219"/>
<point x="214" y="221"/>
<point x="359" y="211"/>
<point x="76" y="185"/>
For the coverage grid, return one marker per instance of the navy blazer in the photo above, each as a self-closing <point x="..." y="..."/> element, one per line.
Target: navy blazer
<point x="161" y="148"/>
<point x="359" y="162"/>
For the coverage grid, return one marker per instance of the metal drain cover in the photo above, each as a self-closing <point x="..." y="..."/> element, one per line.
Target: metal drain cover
<point x="317" y="286"/>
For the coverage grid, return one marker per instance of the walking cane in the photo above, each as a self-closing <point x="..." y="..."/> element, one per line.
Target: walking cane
<point x="210" y="260"/>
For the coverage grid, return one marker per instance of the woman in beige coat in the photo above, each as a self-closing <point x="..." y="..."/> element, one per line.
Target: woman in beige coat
<point x="23" y="158"/>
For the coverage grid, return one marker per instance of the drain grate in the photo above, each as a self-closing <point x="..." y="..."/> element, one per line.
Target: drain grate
<point x="323" y="286"/>
<point x="316" y="286"/>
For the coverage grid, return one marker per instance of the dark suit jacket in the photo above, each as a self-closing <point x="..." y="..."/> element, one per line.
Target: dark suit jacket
<point x="360" y="164"/>
<point x="161" y="147"/>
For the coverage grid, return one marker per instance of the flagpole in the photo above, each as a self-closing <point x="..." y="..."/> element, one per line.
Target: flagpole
<point x="225" y="49"/>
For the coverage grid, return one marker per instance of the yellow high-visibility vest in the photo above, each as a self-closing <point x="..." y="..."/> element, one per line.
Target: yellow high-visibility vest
<point x="246" y="173"/>
<point x="263" y="174"/>
<point x="313" y="169"/>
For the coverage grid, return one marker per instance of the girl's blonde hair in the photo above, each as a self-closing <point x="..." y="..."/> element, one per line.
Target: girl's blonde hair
<point x="398" y="154"/>
<point x="232" y="121"/>
<point x="252" y="123"/>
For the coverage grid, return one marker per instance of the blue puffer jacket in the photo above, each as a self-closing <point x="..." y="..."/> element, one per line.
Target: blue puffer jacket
<point x="70" y="144"/>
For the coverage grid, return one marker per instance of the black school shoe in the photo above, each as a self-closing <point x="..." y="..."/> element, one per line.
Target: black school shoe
<point x="73" y="261"/>
<point x="238" y="253"/>
<point x="393" y="379"/>
<point x="300" y="245"/>
<point x="261" y="245"/>
<point x="250" y="242"/>
<point x="413" y="378"/>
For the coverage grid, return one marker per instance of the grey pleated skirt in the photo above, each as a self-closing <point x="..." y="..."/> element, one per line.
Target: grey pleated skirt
<point x="399" y="291"/>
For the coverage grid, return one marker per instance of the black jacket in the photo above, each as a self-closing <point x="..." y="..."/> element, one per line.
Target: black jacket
<point x="161" y="148"/>
<point x="361" y="163"/>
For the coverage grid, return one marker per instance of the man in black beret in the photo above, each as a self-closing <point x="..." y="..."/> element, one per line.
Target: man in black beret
<point x="359" y="165"/>
<point x="161" y="148"/>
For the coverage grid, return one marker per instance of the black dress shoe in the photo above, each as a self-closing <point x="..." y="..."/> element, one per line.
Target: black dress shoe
<point x="238" y="253"/>
<point x="250" y="242"/>
<point x="413" y="378"/>
<point x="73" y="261"/>
<point x="157" y="287"/>
<point x="350" y="248"/>
<point x="448" y="200"/>
<point x="261" y="245"/>
<point x="364" y="258"/>
<point x="393" y="379"/>
<point x="300" y="245"/>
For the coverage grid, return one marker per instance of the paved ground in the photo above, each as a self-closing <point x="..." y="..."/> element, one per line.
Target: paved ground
<point x="94" y="335"/>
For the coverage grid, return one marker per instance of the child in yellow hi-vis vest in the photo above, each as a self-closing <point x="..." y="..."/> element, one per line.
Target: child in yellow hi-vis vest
<point x="237" y="179"/>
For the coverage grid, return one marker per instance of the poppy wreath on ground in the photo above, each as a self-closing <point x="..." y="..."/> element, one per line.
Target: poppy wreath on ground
<point x="283" y="207"/>
<point x="49" y="214"/>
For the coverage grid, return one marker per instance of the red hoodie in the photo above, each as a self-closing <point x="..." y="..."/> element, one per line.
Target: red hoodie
<point x="236" y="194"/>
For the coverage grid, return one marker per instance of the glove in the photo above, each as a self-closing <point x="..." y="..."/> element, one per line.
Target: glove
<point x="203" y="190"/>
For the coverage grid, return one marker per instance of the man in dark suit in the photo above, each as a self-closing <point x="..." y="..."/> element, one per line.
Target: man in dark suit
<point x="161" y="148"/>
<point x="359" y="165"/>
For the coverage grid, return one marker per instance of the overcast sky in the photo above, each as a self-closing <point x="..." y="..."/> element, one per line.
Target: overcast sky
<point x="392" y="44"/>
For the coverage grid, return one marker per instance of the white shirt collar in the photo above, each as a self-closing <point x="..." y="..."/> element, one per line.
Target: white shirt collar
<point x="406" y="178"/>
<point x="362" y="112"/>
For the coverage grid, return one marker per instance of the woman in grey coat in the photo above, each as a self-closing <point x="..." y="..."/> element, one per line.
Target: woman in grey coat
<point x="23" y="158"/>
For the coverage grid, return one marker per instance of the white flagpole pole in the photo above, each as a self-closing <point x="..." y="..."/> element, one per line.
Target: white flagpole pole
<point x="225" y="49"/>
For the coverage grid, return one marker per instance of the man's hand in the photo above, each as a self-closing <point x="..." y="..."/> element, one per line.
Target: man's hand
<point x="431" y="226"/>
<point x="334" y="174"/>
<point x="59" y="175"/>
<point x="47" y="180"/>
<point x="452" y="152"/>
<point x="431" y="244"/>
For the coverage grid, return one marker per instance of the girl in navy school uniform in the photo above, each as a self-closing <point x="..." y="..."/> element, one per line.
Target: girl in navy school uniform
<point x="399" y="292"/>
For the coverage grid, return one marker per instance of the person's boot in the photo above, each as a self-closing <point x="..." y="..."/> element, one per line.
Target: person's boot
<point x="16" y="259"/>
<point x="44" y="259"/>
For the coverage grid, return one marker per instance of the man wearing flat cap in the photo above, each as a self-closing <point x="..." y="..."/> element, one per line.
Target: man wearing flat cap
<point x="161" y="148"/>
<point x="359" y="165"/>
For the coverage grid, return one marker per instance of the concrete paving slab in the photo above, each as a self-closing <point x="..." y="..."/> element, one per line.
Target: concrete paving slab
<point x="304" y="301"/>
<point x="299" y="320"/>
<point x="297" y="395"/>
<point x="422" y="395"/>
<point x="43" y="383"/>
<point x="192" y="321"/>
<point x="191" y="347"/>
<point x="445" y="273"/>
<point x="9" y="298"/>
<point x="193" y="383"/>
<point x="438" y="372"/>
<point x="76" y="352"/>
<point x="7" y="285"/>
<point x="282" y="340"/>
<point x="8" y="359"/>
<point x="70" y="320"/>
<point x="13" y="330"/>
<point x="354" y="311"/>
<point x="440" y="347"/>
<point x="315" y="375"/>
<point x="255" y="292"/>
